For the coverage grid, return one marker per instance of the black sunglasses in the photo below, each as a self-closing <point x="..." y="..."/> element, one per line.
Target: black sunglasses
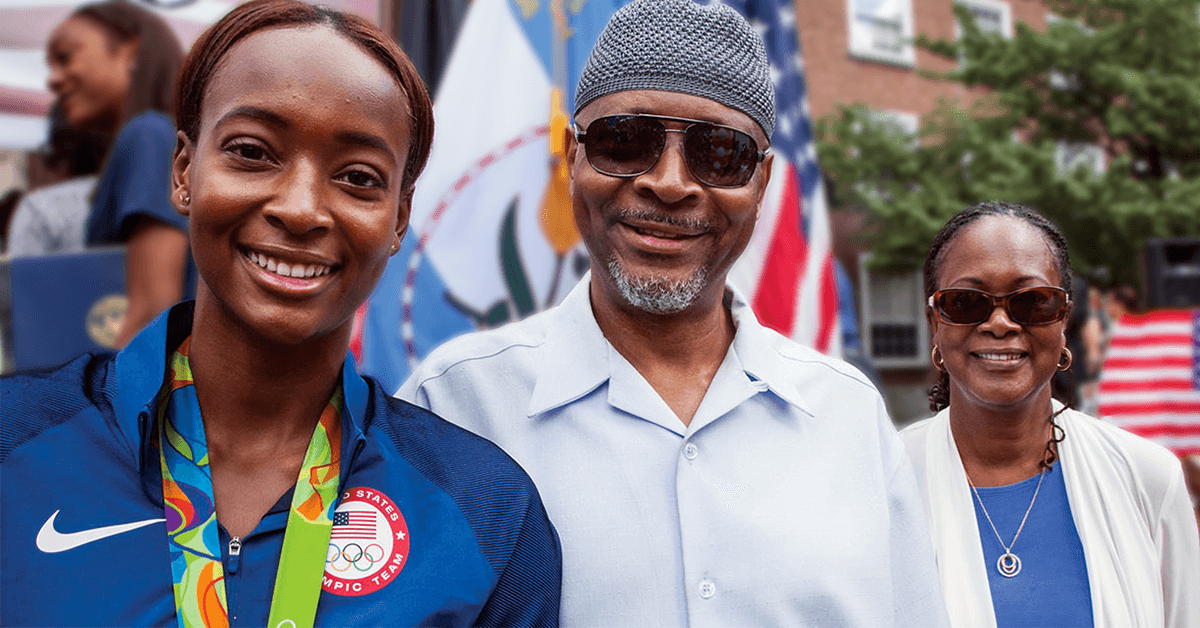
<point x="630" y="145"/>
<point x="1032" y="306"/>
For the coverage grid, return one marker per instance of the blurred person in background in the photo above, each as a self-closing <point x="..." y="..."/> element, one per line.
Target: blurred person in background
<point x="113" y="68"/>
<point x="1121" y="301"/>
<point x="8" y="208"/>
<point x="1040" y="515"/>
<point x="53" y="216"/>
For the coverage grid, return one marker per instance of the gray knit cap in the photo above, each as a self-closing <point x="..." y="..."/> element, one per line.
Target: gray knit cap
<point x="680" y="46"/>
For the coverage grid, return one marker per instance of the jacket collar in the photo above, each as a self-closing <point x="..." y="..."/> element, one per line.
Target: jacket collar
<point x="578" y="358"/>
<point x="141" y="369"/>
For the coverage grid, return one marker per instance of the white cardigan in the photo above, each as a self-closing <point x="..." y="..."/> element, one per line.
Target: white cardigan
<point x="1130" y="506"/>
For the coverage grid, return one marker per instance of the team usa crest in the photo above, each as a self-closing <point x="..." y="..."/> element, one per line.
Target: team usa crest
<point x="368" y="546"/>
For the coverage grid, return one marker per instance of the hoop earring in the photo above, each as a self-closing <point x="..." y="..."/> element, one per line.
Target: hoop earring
<point x="936" y="357"/>
<point x="1064" y="361"/>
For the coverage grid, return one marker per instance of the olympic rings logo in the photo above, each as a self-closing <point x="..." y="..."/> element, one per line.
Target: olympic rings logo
<point x="362" y="559"/>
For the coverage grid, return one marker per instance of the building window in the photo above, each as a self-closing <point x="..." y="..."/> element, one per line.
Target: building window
<point x="882" y="30"/>
<point x="1059" y="79"/>
<point x="1071" y="155"/>
<point x="909" y="123"/>
<point x="894" y="330"/>
<point x="991" y="16"/>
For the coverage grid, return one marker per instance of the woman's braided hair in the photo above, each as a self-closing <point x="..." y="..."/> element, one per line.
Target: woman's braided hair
<point x="939" y="394"/>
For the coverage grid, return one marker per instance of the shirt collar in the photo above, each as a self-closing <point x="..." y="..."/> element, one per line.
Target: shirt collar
<point x="765" y="355"/>
<point x="577" y="359"/>
<point x="575" y="353"/>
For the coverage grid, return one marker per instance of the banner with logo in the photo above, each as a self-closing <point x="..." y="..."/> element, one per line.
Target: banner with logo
<point x="492" y="239"/>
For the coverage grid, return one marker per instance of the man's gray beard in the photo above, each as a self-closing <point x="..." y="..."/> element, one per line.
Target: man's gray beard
<point x="658" y="295"/>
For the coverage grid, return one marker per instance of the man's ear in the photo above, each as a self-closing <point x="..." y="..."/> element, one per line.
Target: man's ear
<point x="181" y="174"/>
<point x="766" y="165"/>
<point x="571" y="146"/>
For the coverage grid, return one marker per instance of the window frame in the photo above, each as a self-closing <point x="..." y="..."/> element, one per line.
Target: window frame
<point x="861" y="44"/>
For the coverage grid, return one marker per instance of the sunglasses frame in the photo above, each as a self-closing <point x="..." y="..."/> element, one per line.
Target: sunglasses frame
<point x="1001" y="301"/>
<point x="581" y="135"/>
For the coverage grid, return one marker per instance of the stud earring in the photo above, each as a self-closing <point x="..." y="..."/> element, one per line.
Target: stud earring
<point x="185" y="198"/>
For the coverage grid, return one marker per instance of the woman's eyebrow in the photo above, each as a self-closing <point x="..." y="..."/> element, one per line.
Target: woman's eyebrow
<point x="366" y="139"/>
<point x="254" y="113"/>
<point x="273" y="119"/>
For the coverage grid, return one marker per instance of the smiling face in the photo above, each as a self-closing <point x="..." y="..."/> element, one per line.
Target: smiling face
<point x="998" y="363"/>
<point x="90" y="73"/>
<point x="663" y="242"/>
<point x="295" y="182"/>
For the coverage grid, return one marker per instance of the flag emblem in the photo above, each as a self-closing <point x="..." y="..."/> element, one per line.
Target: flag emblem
<point x="368" y="546"/>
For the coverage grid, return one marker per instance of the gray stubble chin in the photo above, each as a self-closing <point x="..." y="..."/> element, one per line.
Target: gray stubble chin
<point x="657" y="295"/>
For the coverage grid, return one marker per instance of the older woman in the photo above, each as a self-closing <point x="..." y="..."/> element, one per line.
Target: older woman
<point x="230" y="466"/>
<point x="1040" y="515"/>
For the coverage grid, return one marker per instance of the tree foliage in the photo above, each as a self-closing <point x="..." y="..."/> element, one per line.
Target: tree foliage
<point x="1123" y="75"/>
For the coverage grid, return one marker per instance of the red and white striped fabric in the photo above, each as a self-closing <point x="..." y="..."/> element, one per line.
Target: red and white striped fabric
<point x="789" y="279"/>
<point x="1150" y="383"/>
<point x="787" y="269"/>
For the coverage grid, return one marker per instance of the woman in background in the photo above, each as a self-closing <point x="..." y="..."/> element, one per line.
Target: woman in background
<point x="53" y="216"/>
<point x="113" y="68"/>
<point x="229" y="466"/>
<point x="1039" y="515"/>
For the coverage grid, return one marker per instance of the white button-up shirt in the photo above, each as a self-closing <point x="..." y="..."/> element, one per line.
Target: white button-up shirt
<point x="789" y="499"/>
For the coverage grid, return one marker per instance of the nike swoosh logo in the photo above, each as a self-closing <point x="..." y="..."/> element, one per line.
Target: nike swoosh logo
<point x="52" y="541"/>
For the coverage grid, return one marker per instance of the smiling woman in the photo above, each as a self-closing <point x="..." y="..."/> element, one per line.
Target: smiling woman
<point x="236" y="429"/>
<point x="1040" y="515"/>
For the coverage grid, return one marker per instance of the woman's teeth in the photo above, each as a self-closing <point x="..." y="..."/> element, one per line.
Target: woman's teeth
<point x="299" y="271"/>
<point x="1007" y="357"/>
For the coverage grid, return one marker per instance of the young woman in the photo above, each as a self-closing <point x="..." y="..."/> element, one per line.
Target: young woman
<point x="229" y="467"/>
<point x="113" y="68"/>
<point x="1040" y="515"/>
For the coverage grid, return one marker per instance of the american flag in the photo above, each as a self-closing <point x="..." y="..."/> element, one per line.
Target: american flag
<point x="1150" y="383"/>
<point x="353" y="525"/>
<point x="787" y="268"/>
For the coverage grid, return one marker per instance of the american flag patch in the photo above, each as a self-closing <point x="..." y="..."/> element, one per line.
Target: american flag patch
<point x="353" y="525"/>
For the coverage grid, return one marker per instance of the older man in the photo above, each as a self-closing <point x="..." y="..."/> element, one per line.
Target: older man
<point x="700" y="469"/>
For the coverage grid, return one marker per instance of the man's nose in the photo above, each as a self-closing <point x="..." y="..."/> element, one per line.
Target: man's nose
<point x="670" y="179"/>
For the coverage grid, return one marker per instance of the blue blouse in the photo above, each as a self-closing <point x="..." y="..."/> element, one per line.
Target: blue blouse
<point x="136" y="183"/>
<point x="1052" y="586"/>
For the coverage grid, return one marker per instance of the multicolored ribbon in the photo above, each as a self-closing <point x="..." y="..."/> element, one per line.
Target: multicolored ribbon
<point x="196" y="566"/>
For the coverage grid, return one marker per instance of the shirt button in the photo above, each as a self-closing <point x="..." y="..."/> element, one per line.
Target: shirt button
<point x="707" y="588"/>
<point x="690" y="451"/>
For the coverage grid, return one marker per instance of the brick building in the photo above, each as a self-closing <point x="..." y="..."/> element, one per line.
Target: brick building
<point x="858" y="51"/>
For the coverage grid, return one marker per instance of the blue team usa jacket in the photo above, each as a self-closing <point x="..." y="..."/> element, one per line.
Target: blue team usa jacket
<point x="434" y="526"/>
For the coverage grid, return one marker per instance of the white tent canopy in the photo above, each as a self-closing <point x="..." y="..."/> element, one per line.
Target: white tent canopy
<point x="25" y="26"/>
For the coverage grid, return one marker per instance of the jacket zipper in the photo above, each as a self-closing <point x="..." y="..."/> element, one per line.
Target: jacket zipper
<point x="235" y="559"/>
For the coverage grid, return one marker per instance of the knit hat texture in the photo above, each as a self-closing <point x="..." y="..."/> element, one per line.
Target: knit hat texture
<point x="680" y="46"/>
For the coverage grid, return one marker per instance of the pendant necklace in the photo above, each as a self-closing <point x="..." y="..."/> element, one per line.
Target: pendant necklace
<point x="1009" y="565"/>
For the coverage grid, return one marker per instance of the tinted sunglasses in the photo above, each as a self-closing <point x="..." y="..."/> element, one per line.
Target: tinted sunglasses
<point x="630" y="145"/>
<point x="1032" y="306"/>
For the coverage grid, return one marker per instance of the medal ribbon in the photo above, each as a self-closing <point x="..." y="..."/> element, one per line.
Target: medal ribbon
<point x="195" y="549"/>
